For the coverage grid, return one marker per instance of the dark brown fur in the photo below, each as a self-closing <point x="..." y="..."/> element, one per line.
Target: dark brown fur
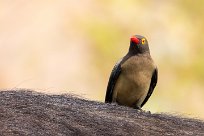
<point x="25" y="112"/>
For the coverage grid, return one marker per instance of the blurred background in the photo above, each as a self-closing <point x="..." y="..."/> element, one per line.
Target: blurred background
<point x="68" y="46"/>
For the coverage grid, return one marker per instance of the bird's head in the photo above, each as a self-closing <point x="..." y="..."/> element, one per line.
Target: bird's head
<point x="138" y="44"/>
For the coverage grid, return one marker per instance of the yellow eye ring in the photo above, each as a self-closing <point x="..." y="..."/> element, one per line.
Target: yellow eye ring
<point x="143" y="41"/>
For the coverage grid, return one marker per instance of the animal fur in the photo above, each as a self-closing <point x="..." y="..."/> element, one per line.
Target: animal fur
<point x="25" y="112"/>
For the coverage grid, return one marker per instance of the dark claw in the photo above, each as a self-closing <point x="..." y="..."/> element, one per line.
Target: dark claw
<point x="138" y="108"/>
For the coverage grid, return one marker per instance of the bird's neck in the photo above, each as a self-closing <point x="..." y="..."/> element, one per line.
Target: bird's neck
<point x="136" y="49"/>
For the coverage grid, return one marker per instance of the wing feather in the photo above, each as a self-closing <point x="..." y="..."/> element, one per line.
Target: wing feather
<point x="112" y="81"/>
<point x="152" y="86"/>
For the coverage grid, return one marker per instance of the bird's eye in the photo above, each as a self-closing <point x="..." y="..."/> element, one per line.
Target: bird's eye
<point x="143" y="41"/>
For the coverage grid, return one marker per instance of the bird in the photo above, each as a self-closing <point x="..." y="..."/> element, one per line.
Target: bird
<point x="134" y="77"/>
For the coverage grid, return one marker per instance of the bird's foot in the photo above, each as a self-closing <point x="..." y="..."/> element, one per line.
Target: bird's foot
<point x="138" y="108"/>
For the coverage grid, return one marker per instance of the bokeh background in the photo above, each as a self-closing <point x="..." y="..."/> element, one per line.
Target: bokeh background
<point x="69" y="46"/>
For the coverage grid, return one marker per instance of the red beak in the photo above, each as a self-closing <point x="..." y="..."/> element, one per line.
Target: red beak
<point x="134" y="39"/>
